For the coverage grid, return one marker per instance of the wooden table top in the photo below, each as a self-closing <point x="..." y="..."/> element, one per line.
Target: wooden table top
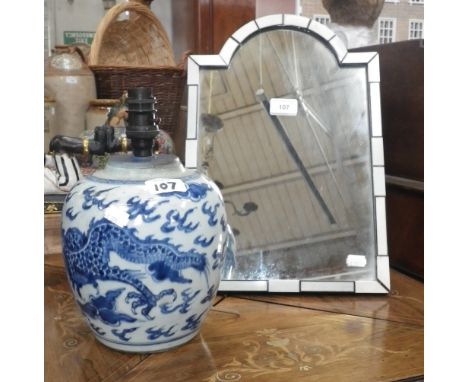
<point x="253" y="337"/>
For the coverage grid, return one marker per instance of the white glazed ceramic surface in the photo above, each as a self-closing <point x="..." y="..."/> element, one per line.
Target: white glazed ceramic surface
<point x="144" y="266"/>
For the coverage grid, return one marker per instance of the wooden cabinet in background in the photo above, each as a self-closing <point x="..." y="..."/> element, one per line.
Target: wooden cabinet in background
<point x="216" y="20"/>
<point x="221" y="18"/>
<point x="402" y="99"/>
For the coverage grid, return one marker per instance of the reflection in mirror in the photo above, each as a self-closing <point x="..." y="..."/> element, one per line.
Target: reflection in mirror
<point x="297" y="188"/>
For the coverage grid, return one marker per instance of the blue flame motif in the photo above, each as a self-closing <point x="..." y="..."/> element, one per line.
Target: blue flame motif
<point x="193" y="322"/>
<point x="229" y="260"/>
<point x="123" y="334"/>
<point x="203" y="241"/>
<point x="138" y="208"/>
<point x="175" y="221"/>
<point x="211" y="212"/>
<point x="155" y="333"/>
<point x="223" y="223"/>
<point x="217" y="259"/>
<point x="97" y="329"/>
<point x="218" y="255"/>
<point x="96" y="198"/>
<point x="209" y="296"/>
<point x="184" y="306"/>
<point x="69" y="214"/>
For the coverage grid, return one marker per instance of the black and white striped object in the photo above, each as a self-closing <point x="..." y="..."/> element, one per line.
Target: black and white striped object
<point x="68" y="171"/>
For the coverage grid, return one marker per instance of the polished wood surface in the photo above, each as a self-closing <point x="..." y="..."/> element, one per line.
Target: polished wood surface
<point x="251" y="340"/>
<point x="253" y="337"/>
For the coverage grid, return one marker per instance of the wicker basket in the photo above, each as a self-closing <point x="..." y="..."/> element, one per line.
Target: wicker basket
<point x="136" y="52"/>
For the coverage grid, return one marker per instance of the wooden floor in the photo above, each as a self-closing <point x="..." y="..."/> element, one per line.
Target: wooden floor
<point x="253" y="337"/>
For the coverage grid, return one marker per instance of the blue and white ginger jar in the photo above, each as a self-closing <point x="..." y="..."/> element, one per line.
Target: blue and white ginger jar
<point x="144" y="241"/>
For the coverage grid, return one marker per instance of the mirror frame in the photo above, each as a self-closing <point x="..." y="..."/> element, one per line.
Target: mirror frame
<point x="369" y="60"/>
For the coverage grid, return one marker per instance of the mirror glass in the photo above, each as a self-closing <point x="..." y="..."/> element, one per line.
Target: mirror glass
<point x="298" y="187"/>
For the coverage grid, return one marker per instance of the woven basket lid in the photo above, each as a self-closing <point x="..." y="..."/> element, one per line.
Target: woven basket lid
<point x="130" y="35"/>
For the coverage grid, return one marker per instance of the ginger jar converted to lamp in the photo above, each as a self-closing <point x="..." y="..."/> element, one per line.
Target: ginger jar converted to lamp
<point x="143" y="239"/>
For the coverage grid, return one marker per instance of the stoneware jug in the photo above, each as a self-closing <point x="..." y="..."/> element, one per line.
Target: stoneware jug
<point x="143" y="241"/>
<point x="71" y="83"/>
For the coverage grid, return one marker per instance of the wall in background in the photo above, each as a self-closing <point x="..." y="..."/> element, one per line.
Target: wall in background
<point x="85" y="15"/>
<point x="268" y="7"/>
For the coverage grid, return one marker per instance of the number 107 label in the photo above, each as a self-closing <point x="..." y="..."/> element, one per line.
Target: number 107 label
<point x="159" y="186"/>
<point x="283" y="106"/>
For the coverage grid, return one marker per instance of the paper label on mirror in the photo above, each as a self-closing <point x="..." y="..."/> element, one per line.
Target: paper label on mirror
<point x="117" y="215"/>
<point x="71" y="80"/>
<point x="160" y="186"/>
<point x="283" y="106"/>
<point x="359" y="261"/>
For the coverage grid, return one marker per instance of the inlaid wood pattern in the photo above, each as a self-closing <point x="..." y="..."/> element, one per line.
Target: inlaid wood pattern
<point x="286" y="338"/>
<point x="251" y="340"/>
